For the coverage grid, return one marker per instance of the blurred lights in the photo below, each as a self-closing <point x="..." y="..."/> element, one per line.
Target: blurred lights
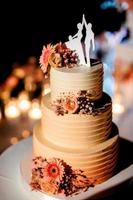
<point x="23" y="102"/>
<point x="14" y="140"/>
<point x="11" y="110"/>
<point x="18" y="72"/>
<point x="35" y="111"/>
<point x="25" y="133"/>
<point x="118" y="108"/>
<point x="24" y="105"/>
<point x="5" y="95"/>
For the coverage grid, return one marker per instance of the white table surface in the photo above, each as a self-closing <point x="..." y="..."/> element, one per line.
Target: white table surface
<point x="10" y="185"/>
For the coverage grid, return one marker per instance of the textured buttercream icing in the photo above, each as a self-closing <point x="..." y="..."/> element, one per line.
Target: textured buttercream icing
<point x="77" y="131"/>
<point x="76" y="144"/>
<point x="98" y="161"/>
<point x="76" y="128"/>
<point x="64" y="80"/>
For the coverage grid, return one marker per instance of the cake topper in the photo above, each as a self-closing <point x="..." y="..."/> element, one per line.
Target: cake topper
<point x="71" y="53"/>
<point x="75" y="43"/>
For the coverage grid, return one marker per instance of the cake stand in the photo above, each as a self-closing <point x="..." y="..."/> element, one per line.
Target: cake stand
<point x="15" y="176"/>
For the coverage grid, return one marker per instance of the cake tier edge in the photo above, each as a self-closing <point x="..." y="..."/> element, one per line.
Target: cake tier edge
<point x="77" y="131"/>
<point x="98" y="162"/>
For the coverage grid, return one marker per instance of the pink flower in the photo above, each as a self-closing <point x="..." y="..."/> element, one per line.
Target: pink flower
<point x="57" y="56"/>
<point x="45" y="57"/>
<point x="53" y="170"/>
<point x="71" y="104"/>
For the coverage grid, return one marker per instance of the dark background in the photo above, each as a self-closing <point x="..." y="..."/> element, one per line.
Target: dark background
<point x="25" y="28"/>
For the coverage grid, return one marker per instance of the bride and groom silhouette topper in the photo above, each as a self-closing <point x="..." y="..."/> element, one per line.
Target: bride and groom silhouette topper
<point x="75" y="43"/>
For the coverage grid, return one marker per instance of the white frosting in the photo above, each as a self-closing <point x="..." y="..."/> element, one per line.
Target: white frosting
<point x="65" y="80"/>
<point x="83" y="141"/>
<point x="98" y="161"/>
<point x="75" y="130"/>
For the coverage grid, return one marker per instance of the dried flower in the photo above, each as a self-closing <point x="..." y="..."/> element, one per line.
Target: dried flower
<point x="55" y="60"/>
<point x="37" y="162"/>
<point x="82" y="180"/>
<point x="79" y="103"/>
<point x="57" y="56"/>
<point x="49" y="187"/>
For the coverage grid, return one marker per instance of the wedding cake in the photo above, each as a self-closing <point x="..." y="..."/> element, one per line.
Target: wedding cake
<point x="76" y="144"/>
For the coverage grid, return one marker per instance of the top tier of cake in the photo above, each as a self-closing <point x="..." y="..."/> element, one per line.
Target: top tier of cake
<point x="65" y="81"/>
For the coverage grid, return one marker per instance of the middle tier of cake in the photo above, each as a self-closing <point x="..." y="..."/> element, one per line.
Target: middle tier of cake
<point x="77" y="131"/>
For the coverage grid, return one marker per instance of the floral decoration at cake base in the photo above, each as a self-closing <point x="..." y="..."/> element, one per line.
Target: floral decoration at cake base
<point x="54" y="176"/>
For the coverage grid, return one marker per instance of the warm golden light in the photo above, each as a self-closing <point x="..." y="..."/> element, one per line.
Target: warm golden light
<point x="25" y="133"/>
<point x="35" y="111"/>
<point x="19" y="72"/>
<point x="118" y="108"/>
<point x="24" y="105"/>
<point x="11" y="110"/>
<point x="14" y="140"/>
<point x="23" y="102"/>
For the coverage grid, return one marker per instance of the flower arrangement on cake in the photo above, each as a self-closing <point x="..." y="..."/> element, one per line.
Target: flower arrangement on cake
<point x="57" y="56"/>
<point x="76" y="145"/>
<point x="79" y="104"/>
<point x="54" y="176"/>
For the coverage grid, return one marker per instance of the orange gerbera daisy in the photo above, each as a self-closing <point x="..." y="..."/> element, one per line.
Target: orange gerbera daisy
<point x="53" y="170"/>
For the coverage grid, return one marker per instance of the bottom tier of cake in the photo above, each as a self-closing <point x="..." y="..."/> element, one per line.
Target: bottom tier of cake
<point x="97" y="164"/>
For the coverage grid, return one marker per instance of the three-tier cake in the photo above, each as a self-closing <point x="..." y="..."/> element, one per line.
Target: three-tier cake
<point x="76" y="144"/>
